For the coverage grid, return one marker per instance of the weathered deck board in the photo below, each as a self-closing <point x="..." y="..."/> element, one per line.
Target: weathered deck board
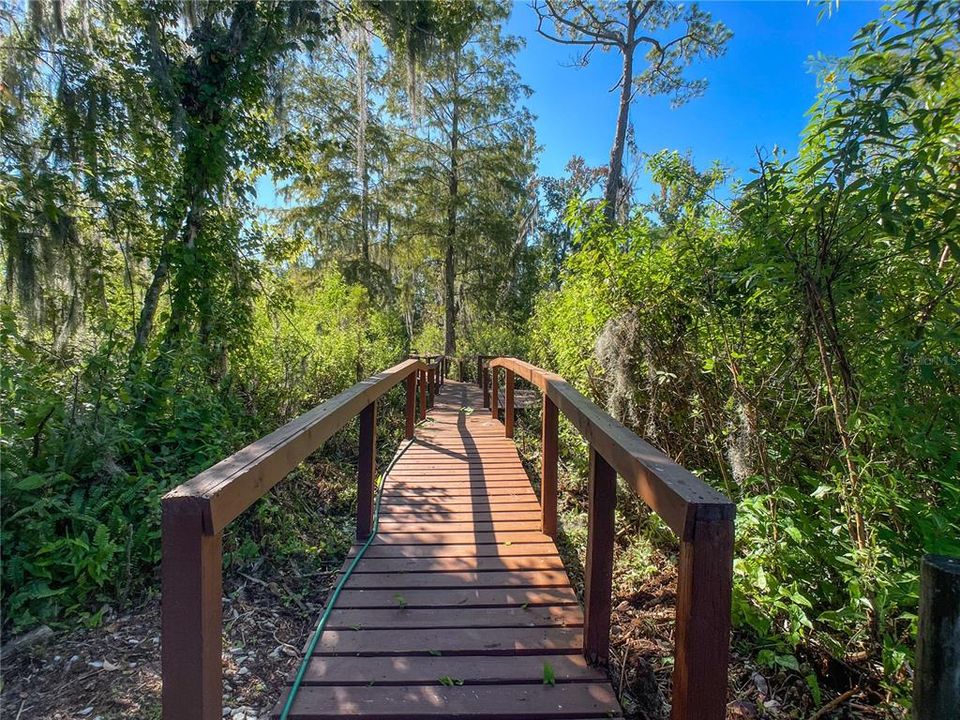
<point x="459" y="583"/>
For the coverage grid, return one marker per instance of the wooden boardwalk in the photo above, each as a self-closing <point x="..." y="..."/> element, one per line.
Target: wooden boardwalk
<point x="461" y="602"/>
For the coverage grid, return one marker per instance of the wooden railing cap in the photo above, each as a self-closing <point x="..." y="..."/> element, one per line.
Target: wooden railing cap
<point x="228" y="488"/>
<point x="674" y="493"/>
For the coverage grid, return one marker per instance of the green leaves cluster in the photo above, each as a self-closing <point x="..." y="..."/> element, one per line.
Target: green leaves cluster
<point x="798" y="346"/>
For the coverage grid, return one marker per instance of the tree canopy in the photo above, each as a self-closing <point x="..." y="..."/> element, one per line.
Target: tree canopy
<point x="792" y="339"/>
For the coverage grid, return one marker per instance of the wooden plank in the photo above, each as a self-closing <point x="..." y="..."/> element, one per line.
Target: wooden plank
<point x="458" y="467"/>
<point x="481" y="670"/>
<point x="452" y="480"/>
<point x="412" y="487"/>
<point x="387" y="526"/>
<point x="440" y="492"/>
<point x="454" y="580"/>
<point x="452" y="641"/>
<point x="538" y="702"/>
<point x="461" y="538"/>
<point x="459" y="564"/>
<point x="500" y="448"/>
<point x="459" y="551"/>
<point x="459" y="517"/>
<point x="461" y="496"/>
<point x="457" y="446"/>
<point x="433" y="618"/>
<point x="445" y="508"/>
<point x="514" y="505"/>
<point x="459" y="597"/>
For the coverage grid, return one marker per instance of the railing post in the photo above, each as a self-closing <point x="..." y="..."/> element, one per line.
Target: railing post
<point x="480" y="371"/>
<point x="548" y="471"/>
<point x="598" y="583"/>
<point x="494" y="393"/>
<point x="411" y="406"/>
<point x="192" y="589"/>
<point x="430" y="389"/>
<point x="422" y="375"/>
<point x="367" y="468"/>
<point x="485" y="382"/>
<point x="702" y="633"/>
<point x="508" y="405"/>
<point x="936" y="689"/>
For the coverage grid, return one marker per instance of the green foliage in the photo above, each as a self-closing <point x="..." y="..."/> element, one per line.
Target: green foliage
<point x="797" y="348"/>
<point x="87" y="454"/>
<point x="154" y="321"/>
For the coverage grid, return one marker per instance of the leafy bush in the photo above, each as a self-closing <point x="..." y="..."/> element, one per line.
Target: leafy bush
<point x="88" y="450"/>
<point x="796" y="348"/>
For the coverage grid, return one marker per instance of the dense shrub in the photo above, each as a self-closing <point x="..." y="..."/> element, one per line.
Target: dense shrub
<point x="88" y="449"/>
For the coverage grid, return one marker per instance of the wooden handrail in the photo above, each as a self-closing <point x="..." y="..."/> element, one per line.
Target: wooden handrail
<point x="675" y="494"/>
<point x="701" y="517"/>
<point x="440" y="367"/>
<point x="195" y="514"/>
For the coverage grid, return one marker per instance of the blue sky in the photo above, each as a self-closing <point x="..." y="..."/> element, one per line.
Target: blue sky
<point x="759" y="91"/>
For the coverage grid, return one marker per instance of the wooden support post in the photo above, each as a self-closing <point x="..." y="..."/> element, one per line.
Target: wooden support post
<point x="430" y="388"/>
<point x="548" y="470"/>
<point x="422" y="375"/>
<point x="508" y="405"/>
<point x="411" y="406"/>
<point x="936" y="687"/>
<point x="495" y="393"/>
<point x="366" y="470"/>
<point x="480" y="372"/>
<point x="192" y="589"/>
<point x="702" y="632"/>
<point x="598" y="581"/>
<point x="485" y="382"/>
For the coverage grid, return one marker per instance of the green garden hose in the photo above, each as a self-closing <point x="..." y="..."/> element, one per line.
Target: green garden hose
<point x="311" y="646"/>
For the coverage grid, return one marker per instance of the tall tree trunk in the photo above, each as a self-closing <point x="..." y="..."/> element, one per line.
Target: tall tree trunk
<point x="611" y="193"/>
<point x="365" y="217"/>
<point x="150" y="303"/>
<point x="449" y="268"/>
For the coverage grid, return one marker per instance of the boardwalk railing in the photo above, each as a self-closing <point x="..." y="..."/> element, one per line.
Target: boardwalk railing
<point x="196" y="513"/>
<point x="483" y="377"/>
<point x="701" y="517"/>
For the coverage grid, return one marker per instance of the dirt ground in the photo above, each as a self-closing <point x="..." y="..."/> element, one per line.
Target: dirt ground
<point x="113" y="671"/>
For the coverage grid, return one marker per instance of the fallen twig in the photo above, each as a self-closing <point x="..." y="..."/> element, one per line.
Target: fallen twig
<point x="835" y="703"/>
